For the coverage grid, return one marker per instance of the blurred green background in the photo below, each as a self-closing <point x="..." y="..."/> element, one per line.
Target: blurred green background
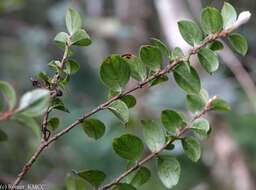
<point x="27" y="29"/>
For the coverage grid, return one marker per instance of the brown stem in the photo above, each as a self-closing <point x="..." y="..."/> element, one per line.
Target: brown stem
<point x="104" y="105"/>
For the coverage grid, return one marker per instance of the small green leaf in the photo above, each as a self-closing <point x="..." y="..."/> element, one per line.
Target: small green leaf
<point x="216" y="46"/>
<point x="151" y="57"/>
<point x="220" y="105"/>
<point x="129" y="100"/>
<point x="141" y="177"/>
<point x="73" y="21"/>
<point x="196" y="102"/>
<point x="154" y="135"/>
<point x="239" y="43"/>
<point x="53" y="123"/>
<point x="94" y="177"/>
<point x="94" y="128"/>
<point x="72" y="66"/>
<point x="54" y="65"/>
<point x="61" y="39"/>
<point x="124" y="186"/>
<point x="159" y="80"/>
<point x="137" y="67"/>
<point x="70" y="182"/>
<point x="3" y="136"/>
<point x="201" y="127"/>
<point x="8" y="91"/>
<point x="80" y="38"/>
<point x="59" y="105"/>
<point x="190" y="32"/>
<point x="128" y="147"/>
<point x="192" y="148"/>
<point x="34" y="103"/>
<point x="187" y="78"/>
<point x="208" y="60"/>
<point x="120" y="110"/>
<point x="44" y="77"/>
<point x="162" y="46"/>
<point x="168" y="171"/>
<point x="177" y="53"/>
<point x="115" y="72"/>
<point x="172" y="120"/>
<point x="211" y="20"/>
<point x="229" y="15"/>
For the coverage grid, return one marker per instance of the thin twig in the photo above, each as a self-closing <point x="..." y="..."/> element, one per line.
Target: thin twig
<point x="104" y="105"/>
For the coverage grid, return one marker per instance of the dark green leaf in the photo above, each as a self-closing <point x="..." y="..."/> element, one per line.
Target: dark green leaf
<point x="35" y="102"/>
<point x="176" y="53"/>
<point x="129" y="100"/>
<point x="162" y="46"/>
<point x="94" y="128"/>
<point x="54" y="65"/>
<point x="211" y="20"/>
<point x="141" y="177"/>
<point x="8" y="91"/>
<point x="61" y="39"/>
<point x="59" y="105"/>
<point x="80" y="38"/>
<point x="172" y="120"/>
<point x="201" y="127"/>
<point x="72" y="66"/>
<point x="124" y="186"/>
<point x="197" y="102"/>
<point x="115" y="72"/>
<point x="128" y="147"/>
<point x="190" y="32"/>
<point x="137" y="67"/>
<point x="159" y="80"/>
<point x="154" y="135"/>
<point x="151" y="57"/>
<point x="53" y="123"/>
<point x="44" y="77"/>
<point x="220" y="105"/>
<point x="216" y="46"/>
<point x="239" y="43"/>
<point x="120" y="109"/>
<point x="3" y="136"/>
<point x="229" y="15"/>
<point x="208" y="60"/>
<point x="73" y="21"/>
<point x="192" y="148"/>
<point x="94" y="177"/>
<point x="187" y="79"/>
<point x="168" y="171"/>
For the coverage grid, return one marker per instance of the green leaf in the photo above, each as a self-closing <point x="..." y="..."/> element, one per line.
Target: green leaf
<point x="94" y="128"/>
<point x="128" y="147"/>
<point x="220" y="105"/>
<point x="216" y="46"/>
<point x="159" y="80"/>
<point x="239" y="43"/>
<point x="176" y="53"/>
<point x="53" y="123"/>
<point x="190" y="32"/>
<point x="8" y="91"/>
<point x="151" y="57"/>
<point x="80" y="38"/>
<point x="94" y="177"/>
<point x="72" y="66"/>
<point x="187" y="78"/>
<point x="73" y="21"/>
<point x="120" y="110"/>
<point x="162" y="47"/>
<point x="211" y="20"/>
<point x="54" y="65"/>
<point x="59" y="105"/>
<point x="124" y="186"/>
<point x="172" y="120"/>
<point x="154" y="135"/>
<point x="3" y="136"/>
<point x="137" y="67"/>
<point x="34" y="103"/>
<point x="129" y="100"/>
<point x="61" y="39"/>
<point x="192" y="148"/>
<point x="168" y="171"/>
<point x="208" y="60"/>
<point x="70" y="182"/>
<point x="141" y="177"/>
<point x="229" y="15"/>
<point x="115" y="72"/>
<point x="197" y="102"/>
<point x="201" y="127"/>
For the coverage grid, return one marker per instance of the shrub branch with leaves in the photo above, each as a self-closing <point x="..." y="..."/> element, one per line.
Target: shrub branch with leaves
<point x="115" y="72"/>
